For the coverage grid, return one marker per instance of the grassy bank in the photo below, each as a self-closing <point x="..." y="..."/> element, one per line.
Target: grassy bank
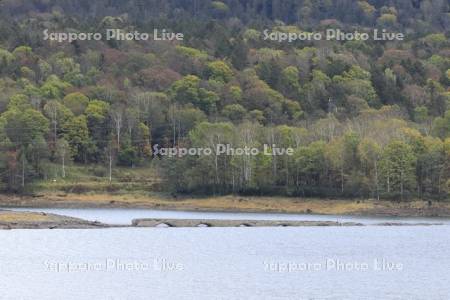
<point x="95" y="179"/>
<point x="88" y="186"/>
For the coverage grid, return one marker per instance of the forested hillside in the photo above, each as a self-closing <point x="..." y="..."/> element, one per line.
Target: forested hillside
<point x="365" y="118"/>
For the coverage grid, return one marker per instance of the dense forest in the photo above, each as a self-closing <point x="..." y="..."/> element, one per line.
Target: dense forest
<point x="365" y="118"/>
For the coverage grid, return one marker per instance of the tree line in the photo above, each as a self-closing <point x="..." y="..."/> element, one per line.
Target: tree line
<point x="371" y="156"/>
<point x="365" y="118"/>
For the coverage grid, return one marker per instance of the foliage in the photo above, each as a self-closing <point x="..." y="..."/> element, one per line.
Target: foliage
<point x="364" y="118"/>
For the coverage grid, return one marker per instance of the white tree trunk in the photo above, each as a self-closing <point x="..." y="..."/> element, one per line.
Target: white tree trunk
<point x="63" y="165"/>
<point x="23" y="169"/>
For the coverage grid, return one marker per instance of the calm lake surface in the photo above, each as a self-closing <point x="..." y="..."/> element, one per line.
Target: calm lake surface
<point x="374" y="262"/>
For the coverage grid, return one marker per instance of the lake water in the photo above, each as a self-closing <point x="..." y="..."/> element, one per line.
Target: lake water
<point x="373" y="262"/>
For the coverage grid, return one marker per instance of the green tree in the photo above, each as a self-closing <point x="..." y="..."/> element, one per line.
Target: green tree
<point x="219" y="71"/>
<point x="53" y="88"/>
<point x="290" y="85"/>
<point x="311" y="164"/>
<point x="397" y="167"/>
<point x="58" y="115"/>
<point x="211" y="135"/>
<point x="234" y="112"/>
<point x="76" y="132"/>
<point x="19" y="102"/>
<point x="97" y="115"/>
<point x="25" y="129"/>
<point x="441" y="126"/>
<point x="76" y="102"/>
<point x="370" y="153"/>
<point x="188" y="90"/>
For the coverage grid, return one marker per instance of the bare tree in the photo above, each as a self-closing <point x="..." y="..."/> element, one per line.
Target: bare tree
<point x="117" y="118"/>
<point x="63" y="152"/>
<point x="51" y="109"/>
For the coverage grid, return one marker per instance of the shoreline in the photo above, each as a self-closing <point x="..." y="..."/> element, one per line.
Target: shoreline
<point x="10" y="219"/>
<point x="39" y="220"/>
<point x="35" y="220"/>
<point x="233" y="204"/>
<point x="230" y="204"/>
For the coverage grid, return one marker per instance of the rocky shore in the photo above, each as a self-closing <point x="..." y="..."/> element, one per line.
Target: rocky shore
<point x="33" y="220"/>
<point x="233" y="223"/>
<point x="38" y="220"/>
